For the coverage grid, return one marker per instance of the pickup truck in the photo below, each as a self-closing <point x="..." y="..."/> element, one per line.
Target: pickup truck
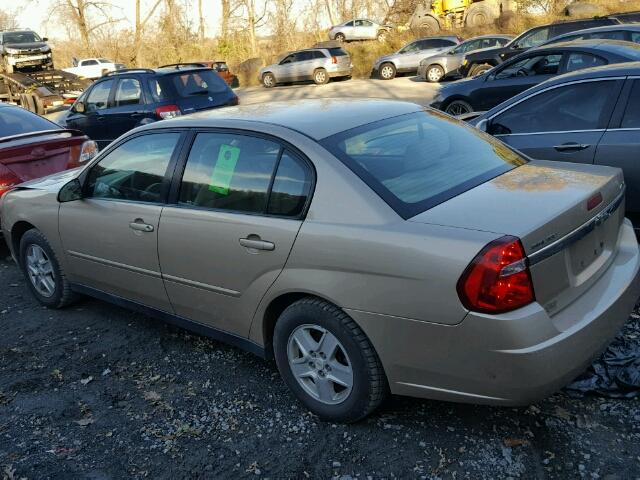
<point x="93" y="67"/>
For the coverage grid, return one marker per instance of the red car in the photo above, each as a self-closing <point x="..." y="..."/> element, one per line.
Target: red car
<point x="33" y="147"/>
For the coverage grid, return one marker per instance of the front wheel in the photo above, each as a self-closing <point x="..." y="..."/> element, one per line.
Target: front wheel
<point x="45" y="277"/>
<point x="479" y="69"/>
<point x="458" y="107"/>
<point x="434" y="73"/>
<point x="339" y="37"/>
<point x="328" y="362"/>
<point x="320" y="77"/>
<point x="387" y="71"/>
<point x="268" y="80"/>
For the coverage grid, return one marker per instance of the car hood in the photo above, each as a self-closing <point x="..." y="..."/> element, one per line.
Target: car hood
<point x="52" y="183"/>
<point x="26" y="46"/>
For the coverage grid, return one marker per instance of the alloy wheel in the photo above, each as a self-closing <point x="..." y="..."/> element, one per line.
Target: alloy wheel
<point x="320" y="364"/>
<point x="40" y="271"/>
<point x="458" y="108"/>
<point x="321" y="77"/>
<point x="434" y="74"/>
<point x="386" y="72"/>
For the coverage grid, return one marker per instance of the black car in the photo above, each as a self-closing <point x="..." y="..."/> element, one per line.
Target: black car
<point x="128" y="98"/>
<point x="590" y="116"/>
<point x="478" y="62"/>
<point x="628" y="32"/>
<point x="528" y="69"/>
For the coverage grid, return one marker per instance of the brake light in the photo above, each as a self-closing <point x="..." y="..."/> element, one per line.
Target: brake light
<point x="594" y="201"/>
<point x="498" y="279"/>
<point x="8" y="180"/>
<point x="168" y="111"/>
<point x="334" y="60"/>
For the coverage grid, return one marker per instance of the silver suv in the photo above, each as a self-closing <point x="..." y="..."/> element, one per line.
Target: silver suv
<point x="358" y="29"/>
<point x="317" y="64"/>
<point x="407" y="59"/>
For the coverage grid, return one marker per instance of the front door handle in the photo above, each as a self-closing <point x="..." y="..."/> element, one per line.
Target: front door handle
<point x="571" y="147"/>
<point x="254" y="242"/>
<point x="140" y="226"/>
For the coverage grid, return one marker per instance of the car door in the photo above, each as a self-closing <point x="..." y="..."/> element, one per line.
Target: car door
<point x="286" y="68"/>
<point x="348" y="30"/>
<point x="128" y="107"/>
<point x="562" y="123"/>
<point x="515" y="76"/>
<point x="303" y="66"/>
<point x="92" y="120"/>
<point x="620" y="145"/>
<point x="406" y="55"/>
<point x="110" y="237"/>
<point x="362" y="30"/>
<point x="226" y="235"/>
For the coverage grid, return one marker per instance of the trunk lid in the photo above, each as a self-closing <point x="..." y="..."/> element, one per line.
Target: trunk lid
<point x="40" y="154"/>
<point x="567" y="215"/>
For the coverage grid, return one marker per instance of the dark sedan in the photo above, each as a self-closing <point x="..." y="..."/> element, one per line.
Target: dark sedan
<point x="528" y="69"/>
<point x="33" y="147"/>
<point x="592" y="116"/>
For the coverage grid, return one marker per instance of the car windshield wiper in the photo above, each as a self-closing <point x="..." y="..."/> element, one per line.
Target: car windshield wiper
<point x="200" y="92"/>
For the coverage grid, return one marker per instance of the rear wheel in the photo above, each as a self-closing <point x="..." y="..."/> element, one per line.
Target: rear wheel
<point x="478" y="15"/>
<point x="328" y="362"/>
<point x="340" y="37"/>
<point x="387" y="71"/>
<point x="479" y="69"/>
<point x="320" y="76"/>
<point x="268" y="80"/>
<point x="382" y="35"/>
<point x="45" y="277"/>
<point x="434" y="73"/>
<point x="429" y="25"/>
<point x="458" y="107"/>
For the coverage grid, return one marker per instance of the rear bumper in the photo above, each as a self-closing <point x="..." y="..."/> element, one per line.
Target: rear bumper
<point x="511" y="359"/>
<point x="340" y="72"/>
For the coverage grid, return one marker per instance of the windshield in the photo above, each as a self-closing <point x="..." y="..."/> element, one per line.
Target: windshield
<point x="20" y="37"/>
<point x="422" y="159"/>
<point x="199" y="82"/>
<point x="16" y="120"/>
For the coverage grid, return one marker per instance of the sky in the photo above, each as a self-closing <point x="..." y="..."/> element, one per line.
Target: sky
<point x="36" y="14"/>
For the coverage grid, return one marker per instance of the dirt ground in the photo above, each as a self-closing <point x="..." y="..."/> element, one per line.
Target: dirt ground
<point x="406" y="88"/>
<point x="97" y="392"/>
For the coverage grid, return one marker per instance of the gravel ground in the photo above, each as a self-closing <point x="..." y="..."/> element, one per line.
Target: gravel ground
<point x="97" y="392"/>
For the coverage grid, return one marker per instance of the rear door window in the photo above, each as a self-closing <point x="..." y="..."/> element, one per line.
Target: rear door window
<point x="419" y="160"/>
<point x="580" y="106"/>
<point x="631" y="118"/>
<point x="128" y="92"/>
<point x="578" y="61"/>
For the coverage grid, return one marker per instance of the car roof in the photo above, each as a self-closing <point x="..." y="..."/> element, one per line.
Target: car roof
<point x="317" y="118"/>
<point x="490" y="35"/>
<point x="604" y="71"/>
<point x="618" y="47"/>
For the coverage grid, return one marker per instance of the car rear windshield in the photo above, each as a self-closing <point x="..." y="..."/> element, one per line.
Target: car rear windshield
<point x="16" y="120"/>
<point x="419" y="160"/>
<point x="199" y="82"/>
<point x="337" y="52"/>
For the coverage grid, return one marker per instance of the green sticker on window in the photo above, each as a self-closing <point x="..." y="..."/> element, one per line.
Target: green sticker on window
<point x="224" y="169"/>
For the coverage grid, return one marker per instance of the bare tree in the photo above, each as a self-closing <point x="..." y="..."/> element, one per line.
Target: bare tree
<point x="200" y="22"/>
<point x="8" y="19"/>
<point x="139" y="29"/>
<point x="253" y="20"/>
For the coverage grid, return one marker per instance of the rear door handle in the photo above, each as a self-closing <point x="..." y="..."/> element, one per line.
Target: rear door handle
<point x="140" y="226"/>
<point x="137" y="114"/>
<point x="255" y="243"/>
<point x="571" y="147"/>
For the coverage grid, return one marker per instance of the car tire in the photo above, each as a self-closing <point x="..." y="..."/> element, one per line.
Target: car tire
<point x="320" y="76"/>
<point x="428" y="25"/>
<point x="44" y="274"/>
<point x="458" y="107"/>
<point x="479" y="15"/>
<point x="434" y="73"/>
<point x="479" y="69"/>
<point x="387" y="71"/>
<point x="361" y="385"/>
<point x="340" y="37"/>
<point x="381" y="36"/>
<point x="268" y="80"/>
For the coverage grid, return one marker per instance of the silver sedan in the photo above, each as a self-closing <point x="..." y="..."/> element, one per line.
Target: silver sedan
<point x="369" y="246"/>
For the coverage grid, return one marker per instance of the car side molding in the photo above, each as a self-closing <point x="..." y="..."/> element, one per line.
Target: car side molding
<point x="195" y="327"/>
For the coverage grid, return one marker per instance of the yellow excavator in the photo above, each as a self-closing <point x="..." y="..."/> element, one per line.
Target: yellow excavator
<point x="431" y="16"/>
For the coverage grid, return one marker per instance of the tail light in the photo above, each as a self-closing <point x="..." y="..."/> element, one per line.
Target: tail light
<point x="8" y="180"/>
<point x="334" y="60"/>
<point x="168" y="111"/>
<point x="498" y="279"/>
<point x="234" y="101"/>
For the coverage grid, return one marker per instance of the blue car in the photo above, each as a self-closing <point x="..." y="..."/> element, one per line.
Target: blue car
<point x="125" y="99"/>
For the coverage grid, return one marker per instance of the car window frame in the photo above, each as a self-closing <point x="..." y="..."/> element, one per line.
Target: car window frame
<point x="615" y="123"/>
<point x="173" y="199"/>
<point x="141" y="101"/>
<point x="612" y="107"/>
<point x="168" y="176"/>
<point x="114" y="82"/>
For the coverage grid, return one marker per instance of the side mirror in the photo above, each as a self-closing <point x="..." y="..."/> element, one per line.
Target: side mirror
<point x="70" y="192"/>
<point x="79" y="107"/>
<point x="45" y="39"/>
<point x="483" y="125"/>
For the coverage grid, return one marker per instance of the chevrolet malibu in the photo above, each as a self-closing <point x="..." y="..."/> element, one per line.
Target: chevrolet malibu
<point x="370" y="247"/>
